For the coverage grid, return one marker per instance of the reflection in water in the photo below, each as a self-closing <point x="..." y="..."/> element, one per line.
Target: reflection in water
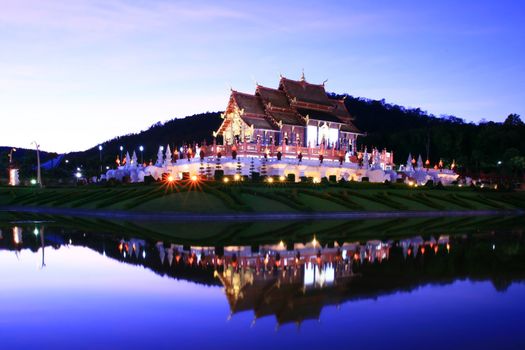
<point x="295" y="281"/>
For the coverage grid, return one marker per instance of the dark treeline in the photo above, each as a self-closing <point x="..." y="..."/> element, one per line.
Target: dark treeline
<point x="475" y="147"/>
<point x="487" y="147"/>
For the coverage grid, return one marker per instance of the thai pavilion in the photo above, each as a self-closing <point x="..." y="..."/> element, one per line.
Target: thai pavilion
<point x="296" y="129"/>
<point x="297" y="113"/>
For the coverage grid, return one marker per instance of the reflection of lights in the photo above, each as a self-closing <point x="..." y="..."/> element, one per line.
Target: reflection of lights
<point x="125" y="255"/>
<point x="225" y="180"/>
<point x="309" y="274"/>
<point x="143" y="254"/>
<point x="281" y="178"/>
<point x="17" y="235"/>
<point x="270" y="180"/>
<point x="448" y="247"/>
<point x="35" y="231"/>
<point x="493" y="247"/>
<point x="236" y="177"/>
<point x="33" y="182"/>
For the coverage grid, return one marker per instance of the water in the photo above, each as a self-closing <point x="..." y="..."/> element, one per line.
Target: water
<point x="69" y="287"/>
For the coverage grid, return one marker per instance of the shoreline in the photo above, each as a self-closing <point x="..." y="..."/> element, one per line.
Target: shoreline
<point x="185" y="216"/>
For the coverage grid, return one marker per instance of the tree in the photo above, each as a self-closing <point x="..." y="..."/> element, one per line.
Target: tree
<point x="513" y="120"/>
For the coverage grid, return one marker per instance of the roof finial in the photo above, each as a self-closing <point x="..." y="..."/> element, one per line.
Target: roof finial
<point x="324" y="82"/>
<point x="302" y="76"/>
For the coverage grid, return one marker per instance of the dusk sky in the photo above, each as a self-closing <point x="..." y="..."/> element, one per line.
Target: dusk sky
<point x="76" y="73"/>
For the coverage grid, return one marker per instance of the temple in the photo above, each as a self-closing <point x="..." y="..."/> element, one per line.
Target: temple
<point x="293" y="133"/>
<point x="297" y="114"/>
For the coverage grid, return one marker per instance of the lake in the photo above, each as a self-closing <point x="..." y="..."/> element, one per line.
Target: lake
<point x="67" y="284"/>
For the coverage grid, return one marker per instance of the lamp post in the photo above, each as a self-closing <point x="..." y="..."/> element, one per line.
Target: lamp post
<point x="141" y="148"/>
<point x="121" y="149"/>
<point x="38" y="175"/>
<point x="100" y="157"/>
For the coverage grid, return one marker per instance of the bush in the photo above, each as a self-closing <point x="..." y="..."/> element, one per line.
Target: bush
<point x="304" y="179"/>
<point x="365" y="179"/>
<point x="290" y="178"/>
<point x="149" y="180"/>
<point x="256" y="177"/>
<point x="185" y="175"/>
<point x="429" y="184"/>
<point x="218" y="175"/>
<point x="332" y="178"/>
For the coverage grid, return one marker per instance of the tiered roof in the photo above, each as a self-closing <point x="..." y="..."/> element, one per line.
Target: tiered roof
<point x="292" y="104"/>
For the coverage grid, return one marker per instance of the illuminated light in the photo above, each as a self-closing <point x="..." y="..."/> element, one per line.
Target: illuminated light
<point x="281" y="178"/>
<point x="226" y="180"/>
<point x="194" y="178"/>
<point x="125" y="255"/>
<point x="410" y="183"/>
<point x="409" y="251"/>
<point x="236" y="177"/>
<point x="70" y="241"/>
<point x="422" y="250"/>
<point x="460" y="185"/>
<point x="33" y="182"/>
<point x="100" y="148"/>
<point x="314" y="242"/>
<point x="493" y="247"/>
<point x="35" y="231"/>
<point x="436" y="249"/>
<point x="67" y="161"/>
<point x="107" y="167"/>
<point x="141" y="148"/>
<point x="482" y="185"/>
<point x="316" y="180"/>
<point x="448" y="247"/>
<point x="120" y="246"/>
<point x="171" y="178"/>
<point x="270" y="179"/>
<point x="281" y="245"/>
<point x="78" y="174"/>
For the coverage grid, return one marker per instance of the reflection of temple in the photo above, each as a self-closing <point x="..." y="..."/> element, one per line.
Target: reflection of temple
<point x="294" y="283"/>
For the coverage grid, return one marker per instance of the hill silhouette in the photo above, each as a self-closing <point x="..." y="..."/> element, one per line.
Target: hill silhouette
<point x="487" y="146"/>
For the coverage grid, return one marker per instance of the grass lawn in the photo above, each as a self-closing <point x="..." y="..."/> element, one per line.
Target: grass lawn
<point x="257" y="197"/>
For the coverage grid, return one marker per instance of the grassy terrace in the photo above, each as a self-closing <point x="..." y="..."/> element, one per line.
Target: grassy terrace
<point x="214" y="197"/>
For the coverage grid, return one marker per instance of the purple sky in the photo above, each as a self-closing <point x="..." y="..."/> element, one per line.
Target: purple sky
<point x="76" y="73"/>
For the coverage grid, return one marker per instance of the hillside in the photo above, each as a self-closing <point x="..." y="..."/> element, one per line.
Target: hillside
<point x="475" y="147"/>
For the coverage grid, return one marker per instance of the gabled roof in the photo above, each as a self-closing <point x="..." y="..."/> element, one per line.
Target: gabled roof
<point x="259" y="122"/>
<point x="305" y="92"/>
<point x="249" y="103"/>
<point x="287" y="118"/>
<point x="289" y="105"/>
<point x="276" y="98"/>
<point x="319" y="115"/>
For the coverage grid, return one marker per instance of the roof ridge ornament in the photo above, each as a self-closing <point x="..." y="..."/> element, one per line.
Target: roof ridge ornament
<point x="324" y="82"/>
<point x="303" y="79"/>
